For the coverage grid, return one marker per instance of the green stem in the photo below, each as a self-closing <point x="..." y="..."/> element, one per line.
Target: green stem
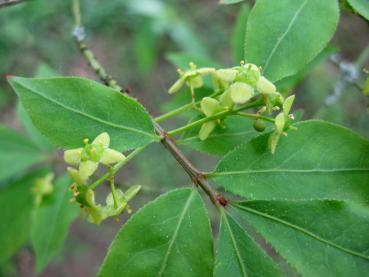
<point x="362" y="58"/>
<point x="256" y="116"/>
<point x="116" y="167"/>
<point x="214" y="117"/>
<point x="113" y="192"/>
<point x="182" y="109"/>
<point x="77" y="13"/>
<point x="79" y="37"/>
<point x="175" y="112"/>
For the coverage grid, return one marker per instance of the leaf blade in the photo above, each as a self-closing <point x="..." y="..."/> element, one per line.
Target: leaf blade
<point x="51" y="222"/>
<point x="318" y="161"/>
<point x="251" y="260"/>
<point x="158" y="237"/>
<point x="322" y="232"/>
<point x="281" y="29"/>
<point x="60" y="106"/>
<point x="16" y="153"/>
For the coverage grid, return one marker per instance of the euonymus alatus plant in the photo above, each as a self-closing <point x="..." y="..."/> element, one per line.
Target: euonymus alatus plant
<point x="290" y="197"/>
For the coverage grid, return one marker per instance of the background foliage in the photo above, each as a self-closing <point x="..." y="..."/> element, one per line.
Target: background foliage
<point x="139" y="39"/>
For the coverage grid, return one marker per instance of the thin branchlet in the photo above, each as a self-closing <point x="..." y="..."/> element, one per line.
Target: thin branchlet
<point x="79" y="36"/>
<point x="6" y="3"/>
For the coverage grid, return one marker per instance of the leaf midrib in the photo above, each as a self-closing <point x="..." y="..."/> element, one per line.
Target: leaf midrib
<point x="302" y="230"/>
<point x="235" y="247"/>
<point x="73" y="110"/>
<point x="175" y="234"/>
<point x="281" y="38"/>
<point x="282" y="170"/>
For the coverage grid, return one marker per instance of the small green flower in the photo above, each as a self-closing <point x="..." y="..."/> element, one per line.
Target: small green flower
<point x="191" y="77"/>
<point x="248" y="73"/>
<point x="281" y="123"/>
<point x="88" y="158"/>
<point x="96" y="213"/>
<point x="209" y="106"/>
<point x="42" y="187"/>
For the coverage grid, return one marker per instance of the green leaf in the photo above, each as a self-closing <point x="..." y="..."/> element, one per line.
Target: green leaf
<point x="239" y="33"/>
<point x="16" y="203"/>
<point x="16" y="153"/>
<point x="34" y="135"/>
<point x="51" y="221"/>
<point x="222" y="140"/>
<point x="238" y="254"/>
<point x="361" y="7"/>
<point x="318" y="238"/>
<point x="279" y="30"/>
<point x="146" y="47"/>
<point x="68" y="109"/>
<point x="319" y="160"/>
<point x="171" y="236"/>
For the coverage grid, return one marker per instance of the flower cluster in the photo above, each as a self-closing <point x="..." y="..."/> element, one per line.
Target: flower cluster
<point x="42" y="187"/>
<point x="86" y="161"/>
<point x="234" y="87"/>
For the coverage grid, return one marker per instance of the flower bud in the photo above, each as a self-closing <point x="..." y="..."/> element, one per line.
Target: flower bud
<point x="227" y="75"/>
<point x="264" y="86"/>
<point x="42" y="187"/>
<point x="206" y="130"/>
<point x="241" y="92"/>
<point x="73" y="156"/>
<point x="210" y="106"/>
<point x="259" y="125"/>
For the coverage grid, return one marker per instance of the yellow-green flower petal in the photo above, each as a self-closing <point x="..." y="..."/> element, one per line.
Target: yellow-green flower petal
<point x="131" y="192"/>
<point x="280" y="123"/>
<point x="86" y="169"/>
<point x="74" y="174"/>
<point x="288" y="104"/>
<point x="195" y="82"/>
<point x="102" y="139"/>
<point x="210" y="106"/>
<point x="227" y="75"/>
<point x="111" y="156"/>
<point x="264" y="86"/>
<point x="176" y="86"/>
<point x="206" y="130"/>
<point x="273" y="141"/>
<point x="73" y="156"/>
<point x="241" y="92"/>
<point x="225" y="99"/>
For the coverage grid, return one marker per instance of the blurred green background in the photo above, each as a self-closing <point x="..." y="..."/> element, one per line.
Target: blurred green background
<point x="140" y="43"/>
